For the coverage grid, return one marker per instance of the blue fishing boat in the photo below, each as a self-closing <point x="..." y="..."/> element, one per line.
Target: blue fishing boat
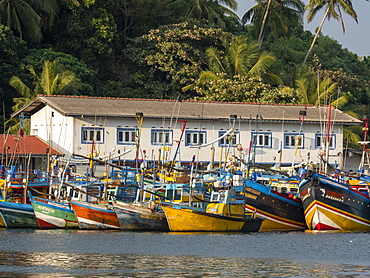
<point x="18" y="215"/>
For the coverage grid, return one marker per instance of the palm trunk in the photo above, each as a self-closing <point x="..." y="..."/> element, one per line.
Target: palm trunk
<point x="262" y="31"/>
<point x="317" y="34"/>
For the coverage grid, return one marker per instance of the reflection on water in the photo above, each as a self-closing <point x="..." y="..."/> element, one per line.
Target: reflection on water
<point x="74" y="253"/>
<point x="115" y="265"/>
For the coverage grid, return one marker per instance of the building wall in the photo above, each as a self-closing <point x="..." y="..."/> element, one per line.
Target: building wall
<point x="54" y="128"/>
<point x="71" y="135"/>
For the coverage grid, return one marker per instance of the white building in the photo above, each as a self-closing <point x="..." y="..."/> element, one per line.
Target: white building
<point x="265" y="133"/>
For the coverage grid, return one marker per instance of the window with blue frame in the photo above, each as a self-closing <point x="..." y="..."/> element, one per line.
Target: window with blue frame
<point x="161" y="137"/>
<point x="194" y="137"/>
<point x="291" y="139"/>
<point x="127" y="136"/>
<point x="321" y="139"/>
<point x="231" y="139"/>
<point x="262" y="139"/>
<point x="92" y="134"/>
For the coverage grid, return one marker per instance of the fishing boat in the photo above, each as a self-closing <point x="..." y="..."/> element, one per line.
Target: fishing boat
<point x="95" y="216"/>
<point x="277" y="201"/>
<point x="50" y="214"/>
<point x="15" y="208"/>
<point x="335" y="200"/>
<point x="18" y="215"/>
<point x="138" y="217"/>
<point x="224" y="213"/>
<point x="145" y="213"/>
<point x="332" y="203"/>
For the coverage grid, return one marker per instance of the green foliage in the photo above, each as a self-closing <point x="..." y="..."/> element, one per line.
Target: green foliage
<point x="11" y="52"/>
<point x="211" y="11"/>
<point x="243" y="89"/>
<point x="151" y="49"/>
<point x="27" y="18"/>
<point x="275" y="17"/>
<point x="172" y="54"/>
<point x="238" y="58"/>
<point x="87" y="76"/>
<point x="91" y="32"/>
<point x="53" y="80"/>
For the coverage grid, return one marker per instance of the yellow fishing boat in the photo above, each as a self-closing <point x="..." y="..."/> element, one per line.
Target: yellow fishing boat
<point x="182" y="218"/>
<point x="224" y="213"/>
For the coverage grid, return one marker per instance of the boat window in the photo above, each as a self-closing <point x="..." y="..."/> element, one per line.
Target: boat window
<point x="169" y="194"/>
<point x="177" y="196"/>
<point x="294" y="190"/>
<point x="214" y="197"/>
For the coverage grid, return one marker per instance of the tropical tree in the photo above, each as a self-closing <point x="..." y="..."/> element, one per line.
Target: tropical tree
<point x="26" y="18"/>
<point x="278" y="15"/>
<point x="315" y="90"/>
<point x="53" y="80"/>
<point x="168" y="58"/>
<point x="318" y="90"/>
<point x="239" y="62"/>
<point x="211" y="10"/>
<point x="239" y="57"/>
<point x="333" y="9"/>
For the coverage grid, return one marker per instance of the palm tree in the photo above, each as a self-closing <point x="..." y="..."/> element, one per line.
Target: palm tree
<point x="333" y="9"/>
<point x="240" y="58"/>
<point x="317" y="91"/>
<point x="26" y="17"/>
<point x="53" y="80"/>
<point x="210" y="10"/>
<point x="278" y="14"/>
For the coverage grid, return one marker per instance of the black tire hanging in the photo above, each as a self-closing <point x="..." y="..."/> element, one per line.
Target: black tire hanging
<point x="315" y="181"/>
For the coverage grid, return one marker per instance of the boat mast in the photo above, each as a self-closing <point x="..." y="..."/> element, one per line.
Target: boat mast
<point x="365" y="154"/>
<point x="298" y="139"/>
<point x="139" y="118"/>
<point x="328" y="139"/>
<point x="182" y="128"/>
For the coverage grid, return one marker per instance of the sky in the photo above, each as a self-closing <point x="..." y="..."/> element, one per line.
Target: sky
<point x="356" y="37"/>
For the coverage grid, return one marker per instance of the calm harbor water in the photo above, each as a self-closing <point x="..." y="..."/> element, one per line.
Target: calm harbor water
<point x="76" y="253"/>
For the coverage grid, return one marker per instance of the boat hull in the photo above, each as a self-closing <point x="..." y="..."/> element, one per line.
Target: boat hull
<point x="187" y="219"/>
<point x="51" y="214"/>
<point x="94" y="217"/>
<point x="133" y="217"/>
<point x="333" y="205"/>
<point x="17" y="215"/>
<point x="281" y="212"/>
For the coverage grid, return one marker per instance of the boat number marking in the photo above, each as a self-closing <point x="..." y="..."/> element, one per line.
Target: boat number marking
<point x="45" y="209"/>
<point x="305" y="193"/>
<point x="252" y="190"/>
<point x="250" y="196"/>
<point x="332" y="195"/>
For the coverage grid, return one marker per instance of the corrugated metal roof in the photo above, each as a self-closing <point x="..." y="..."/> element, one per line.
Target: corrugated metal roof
<point x="25" y="145"/>
<point x="187" y="109"/>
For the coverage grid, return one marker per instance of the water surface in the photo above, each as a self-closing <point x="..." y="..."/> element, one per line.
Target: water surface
<point x="76" y="253"/>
